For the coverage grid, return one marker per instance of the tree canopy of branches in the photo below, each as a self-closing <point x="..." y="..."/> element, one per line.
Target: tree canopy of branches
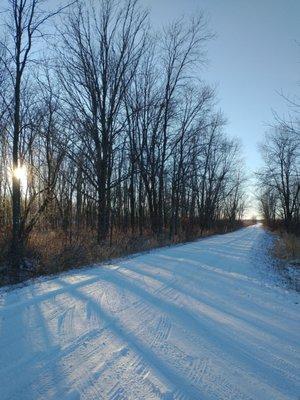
<point x="279" y="179"/>
<point x="110" y="130"/>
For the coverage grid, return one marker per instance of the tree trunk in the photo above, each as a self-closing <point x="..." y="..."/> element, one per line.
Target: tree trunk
<point x="17" y="246"/>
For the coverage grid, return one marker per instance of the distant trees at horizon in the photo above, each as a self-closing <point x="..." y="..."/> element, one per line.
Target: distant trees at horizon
<point x="279" y="178"/>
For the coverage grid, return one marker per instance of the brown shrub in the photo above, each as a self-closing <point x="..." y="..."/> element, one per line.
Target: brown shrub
<point x="53" y="251"/>
<point x="287" y="247"/>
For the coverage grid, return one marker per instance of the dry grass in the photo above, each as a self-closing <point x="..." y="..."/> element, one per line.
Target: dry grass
<point x="51" y="252"/>
<point x="287" y="248"/>
<point x="55" y="251"/>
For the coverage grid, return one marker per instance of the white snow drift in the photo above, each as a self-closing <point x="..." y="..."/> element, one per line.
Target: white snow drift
<point x="195" y="321"/>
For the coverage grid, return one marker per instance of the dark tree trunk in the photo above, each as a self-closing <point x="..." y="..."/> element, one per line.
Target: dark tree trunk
<point x="17" y="246"/>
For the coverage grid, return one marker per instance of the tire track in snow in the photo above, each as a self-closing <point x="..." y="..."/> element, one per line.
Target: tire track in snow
<point x="161" y="331"/>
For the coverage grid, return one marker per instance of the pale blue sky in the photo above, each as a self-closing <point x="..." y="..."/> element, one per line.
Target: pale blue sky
<point x="254" y="56"/>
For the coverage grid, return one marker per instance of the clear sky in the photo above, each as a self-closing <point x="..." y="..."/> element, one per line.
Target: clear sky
<point x="254" y="56"/>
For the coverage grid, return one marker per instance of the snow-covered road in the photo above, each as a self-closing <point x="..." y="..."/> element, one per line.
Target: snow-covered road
<point x="196" y="321"/>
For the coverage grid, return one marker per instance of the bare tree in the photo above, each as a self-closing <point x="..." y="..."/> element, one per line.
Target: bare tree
<point x="26" y="21"/>
<point x="101" y="52"/>
<point x="281" y="175"/>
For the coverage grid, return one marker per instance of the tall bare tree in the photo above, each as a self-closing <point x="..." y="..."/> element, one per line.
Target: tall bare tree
<point x="25" y="28"/>
<point x="281" y="174"/>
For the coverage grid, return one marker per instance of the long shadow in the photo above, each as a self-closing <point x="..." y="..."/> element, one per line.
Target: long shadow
<point x="189" y="273"/>
<point x="86" y="343"/>
<point x="164" y="370"/>
<point x="33" y="350"/>
<point x="237" y="255"/>
<point x="11" y="309"/>
<point x="25" y="352"/>
<point x="52" y="371"/>
<point x="230" y="279"/>
<point x="229" y="241"/>
<point x="10" y="354"/>
<point x="200" y="299"/>
<point x="203" y="326"/>
<point x="218" y="258"/>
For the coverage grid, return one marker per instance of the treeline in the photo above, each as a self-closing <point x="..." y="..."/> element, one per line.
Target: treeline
<point x="105" y="127"/>
<point x="279" y="179"/>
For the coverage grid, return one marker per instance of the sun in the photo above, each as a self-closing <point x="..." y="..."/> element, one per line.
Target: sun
<point x="21" y="174"/>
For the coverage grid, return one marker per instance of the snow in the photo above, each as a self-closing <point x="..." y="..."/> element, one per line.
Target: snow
<point x="205" y="320"/>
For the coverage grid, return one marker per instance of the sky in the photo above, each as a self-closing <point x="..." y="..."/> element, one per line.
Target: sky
<point x="253" y="58"/>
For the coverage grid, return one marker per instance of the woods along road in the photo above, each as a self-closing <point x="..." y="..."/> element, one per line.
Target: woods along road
<point x="204" y="320"/>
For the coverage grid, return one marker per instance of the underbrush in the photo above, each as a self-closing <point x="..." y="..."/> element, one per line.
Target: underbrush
<point x="286" y="250"/>
<point x="53" y="251"/>
<point x="287" y="247"/>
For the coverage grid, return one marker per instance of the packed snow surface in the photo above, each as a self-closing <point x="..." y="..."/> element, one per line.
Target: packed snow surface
<point x="202" y="321"/>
